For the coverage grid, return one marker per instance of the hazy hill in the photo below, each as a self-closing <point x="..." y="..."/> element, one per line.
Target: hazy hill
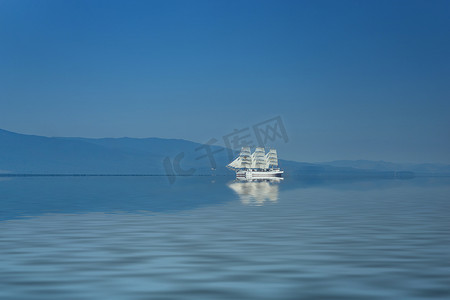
<point x="418" y="169"/>
<point x="30" y="154"/>
<point x="21" y="153"/>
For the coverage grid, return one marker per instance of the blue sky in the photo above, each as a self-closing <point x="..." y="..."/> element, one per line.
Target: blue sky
<point x="350" y="79"/>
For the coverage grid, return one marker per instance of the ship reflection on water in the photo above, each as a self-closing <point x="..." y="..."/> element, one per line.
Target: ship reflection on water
<point x="257" y="191"/>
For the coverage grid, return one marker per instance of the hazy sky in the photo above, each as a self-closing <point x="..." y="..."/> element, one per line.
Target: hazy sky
<point x="350" y="79"/>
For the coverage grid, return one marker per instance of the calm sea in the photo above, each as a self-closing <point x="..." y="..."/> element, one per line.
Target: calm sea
<point x="212" y="238"/>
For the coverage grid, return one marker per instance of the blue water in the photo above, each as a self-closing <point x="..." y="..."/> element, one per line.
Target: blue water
<point x="210" y="238"/>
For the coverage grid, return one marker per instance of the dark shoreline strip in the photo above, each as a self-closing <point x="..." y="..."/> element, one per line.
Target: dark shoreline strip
<point x="94" y="175"/>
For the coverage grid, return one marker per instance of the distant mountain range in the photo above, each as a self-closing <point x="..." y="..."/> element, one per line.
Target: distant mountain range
<point x="418" y="169"/>
<point x="30" y="154"/>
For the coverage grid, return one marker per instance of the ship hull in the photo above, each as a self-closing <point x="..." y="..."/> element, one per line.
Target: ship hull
<point x="250" y="174"/>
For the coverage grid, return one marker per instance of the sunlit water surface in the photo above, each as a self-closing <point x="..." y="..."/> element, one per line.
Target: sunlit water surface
<point x="211" y="238"/>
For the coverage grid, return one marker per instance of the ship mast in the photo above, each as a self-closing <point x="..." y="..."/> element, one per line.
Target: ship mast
<point x="259" y="158"/>
<point x="272" y="158"/>
<point x="246" y="157"/>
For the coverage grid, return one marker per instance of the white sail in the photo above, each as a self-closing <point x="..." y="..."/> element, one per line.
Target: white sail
<point x="244" y="160"/>
<point x="246" y="157"/>
<point x="259" y="158"/>
<point x="235" y="163"/>
<point x="272" y="158"/>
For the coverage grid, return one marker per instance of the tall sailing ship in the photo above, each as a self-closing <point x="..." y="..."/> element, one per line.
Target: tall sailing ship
<point x="256" y="165"/>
